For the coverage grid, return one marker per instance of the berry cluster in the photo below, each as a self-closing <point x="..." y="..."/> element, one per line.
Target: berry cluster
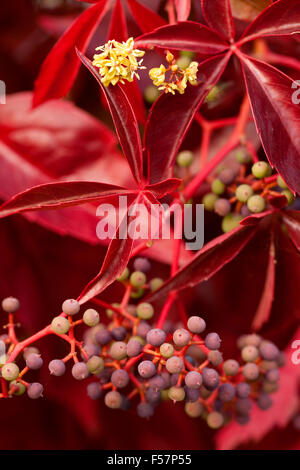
<point x="241" y="190"/>
<point x="128" y="359"/>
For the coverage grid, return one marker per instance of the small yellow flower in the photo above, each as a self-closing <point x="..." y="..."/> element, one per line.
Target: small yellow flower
<point x="118" y="62"/>
<point x="191" y="73"/>
<point x="157" y="75"/>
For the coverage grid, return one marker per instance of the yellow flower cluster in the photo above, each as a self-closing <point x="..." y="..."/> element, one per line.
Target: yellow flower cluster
<point x="118" y="62"/>
<point x="179" y="77"/>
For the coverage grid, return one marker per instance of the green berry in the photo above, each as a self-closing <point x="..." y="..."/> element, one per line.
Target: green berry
<point x="230" y="221"/>
<point x="118" y="350"/>
<point x="139" y="339"/>
<point x="137" y="293"/>
<point x="151" y="93"/>
<point x="145" y="311"/>
<point x="209" y="201"/>
<point x="10" y="371"/>
<point x="188" y="54"/>
<point x="193" y="409"/>
<point x="138" y="279"/>
<point x="289" y="195"/>
<point x="243" y="192"/>
<point x="95" y="364"/>
<point x="18" y="386"/>
<point x="183" y="62"/>
<point x="256" y="203"/>
<point x="215" y="420"/>
<point x="217" y="186"/>
<point x="213" y="94"/>
<point x="176" y="393"/>
<point x="60" y="325"/>
<point x="91" y="317"/>
<point x="109" y="312"/>
<point x="124" y="276"/>
<point x="155" y="283"/>
<point x="261" y="169"/>
<point x="242" y="156"/>
<point x="185" y="158"/>
<point x="281" y="183"/>
<point x="249" y="353"/>
<point x="166" y="350"/>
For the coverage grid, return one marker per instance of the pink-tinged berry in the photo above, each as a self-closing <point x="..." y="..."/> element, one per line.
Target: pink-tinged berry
<point x="181" y="337"/>
<point x="212" y="341"/>
<point x="10" y="371"/>
<point x="215" y="420"/>
<point x="57" y="367"/>
<point x="145" y="311"/>
<point x="120" y="378"/>
<point x="249" y="353"/>
<point x="196" y="324"/>
<point x="118" y="350"/>
<point x="156" y="337"/>
<point x="71" y="307"/>
<point x="174" y="365"/>
<point x="166" y="350"/>
<point x="222" y="207"/>
<point x="193" y="409"/>
<point x="35" y="390"/>
<point x="176" y="393"/>
<point x="146" y="369"/>
<point x="215" y="358"/>
<point x="231" y="367"/>
<point x="227" y="176"/>
<point x="113" y="400"/>
<point x="193" y="379"/>
<point x="133" y="348"/>
<point x="210" y="378"/>
<point x="138" y="279"/>
<point x="226" y="392"/>
<point x="94" y="390"/>
<point x="268" y="351"/>
<point x="251" y="371"/>
<point x="144" y="410"/>
<point x="142" y="264"/>
<point x="34" y="361"/>
<point x="10" y="304"/>
<point x="60" y="325"/>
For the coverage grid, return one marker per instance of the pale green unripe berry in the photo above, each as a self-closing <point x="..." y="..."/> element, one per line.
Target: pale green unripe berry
<point x="138" y="279"/>
<point x="183" y="62"/>
<point x="242" y="156"/>
<point x="95" y="364"/>
<point x="145" y="311"/>
<point x="281" y="183"/>
<point x="249" y="353"/>
<point x="137" y="293"/>
<point x="243" y="192"/>
<point x="91" y="317"/>
<point x="217" y="187"/>
<point x="151" y="93"/>
<point x="60" y="325"/>
<point x="261" y="169"/>
<point x="118" y="350"/>
<point x="124" y="276"/>
<point x="155" y="283"/>
<point x="256" y="203"/>
<point x="188" y="54"/>
<point x="193" y="409"/>
<point x="10" y="371"/>
<point x="19" y="388"/>
<point x="231" y="221"/>
<point x="166" y="350"/>
<point x="109" y="312"/>
<point x="289" y="195"/>
<point x="213" y="94"/>
<point x="215" y="420"/>
<point x="176" y="393"/>
<point x="209" y="201"/>
<point x="185" y="158"/>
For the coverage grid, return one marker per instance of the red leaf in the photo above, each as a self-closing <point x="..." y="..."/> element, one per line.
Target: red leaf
<point x="146" y="19"/>
<point x="174" y="115"/>
<point x="276" y="117"/>
<point x="115" y="261"/>
<point x="117" y="27"/>
<point x="164" y="187"/>
<point x="254" y="219"/>
<point x="285" y="405"/>
<point x="187" y="35"/>
<point x="124" y="120"/>
<point x="280" y="18"/>
<point x="207" y="262"/>
<point x="183" y="8"/>
<point x="217" y="15"/>
<point x="291" y="221"/>
<point x="59" y="195"/>
<point x="60" y="67"/>
<point x="263" y="311"/>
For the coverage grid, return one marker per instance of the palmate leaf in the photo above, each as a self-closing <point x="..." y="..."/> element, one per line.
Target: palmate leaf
<point x="276" y="117"/>
<point x="146" y="19"/>
<point x="222" y="22"/>
<point x="124" y="119"/>
<point x="60" y="68"/>
<point x="60" y="195"/>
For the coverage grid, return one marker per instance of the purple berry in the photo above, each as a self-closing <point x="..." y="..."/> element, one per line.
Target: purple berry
<point x="210" y="378"/>
<point x="268" y="351"/>
<point x="243" y="390"/>
<point x="243" y="419"/>
<point x="146" y="369"/>
<point x="251" y="371"/>
<point x="113" y="400"/>
<point x="272" y="375"/>
<point x="119" y="333"/>
<point x="142" y="264"/>
<point x="153" y="396"/>
<point x="120" y="378"/>
<point x="191" y="394"/>
<point x="91" y="350"/>
<point x="157" y="382"/>
<point x="264" y="401"/>
<point x="226" y="392"/>
<point x="143" y="329"/>
<point x="243" y="405"/>
<point x="215" y="357"/>
<point x="94" y="390"/>
<point x="103" y="337"/>
<point x="222" y="207"/>
<point x="133" y="348"/>
<point x="212" y="341"/>
<point x="34" y="361"/>
<point x="227" y="176"/>
<point x="156" y="337"/>
<point x="145" y="410"/>
<point x="193" y="379"/>
<point x="57" y="367"/>
<point x="10" y="304"/>
<point x="174" y="365"/>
